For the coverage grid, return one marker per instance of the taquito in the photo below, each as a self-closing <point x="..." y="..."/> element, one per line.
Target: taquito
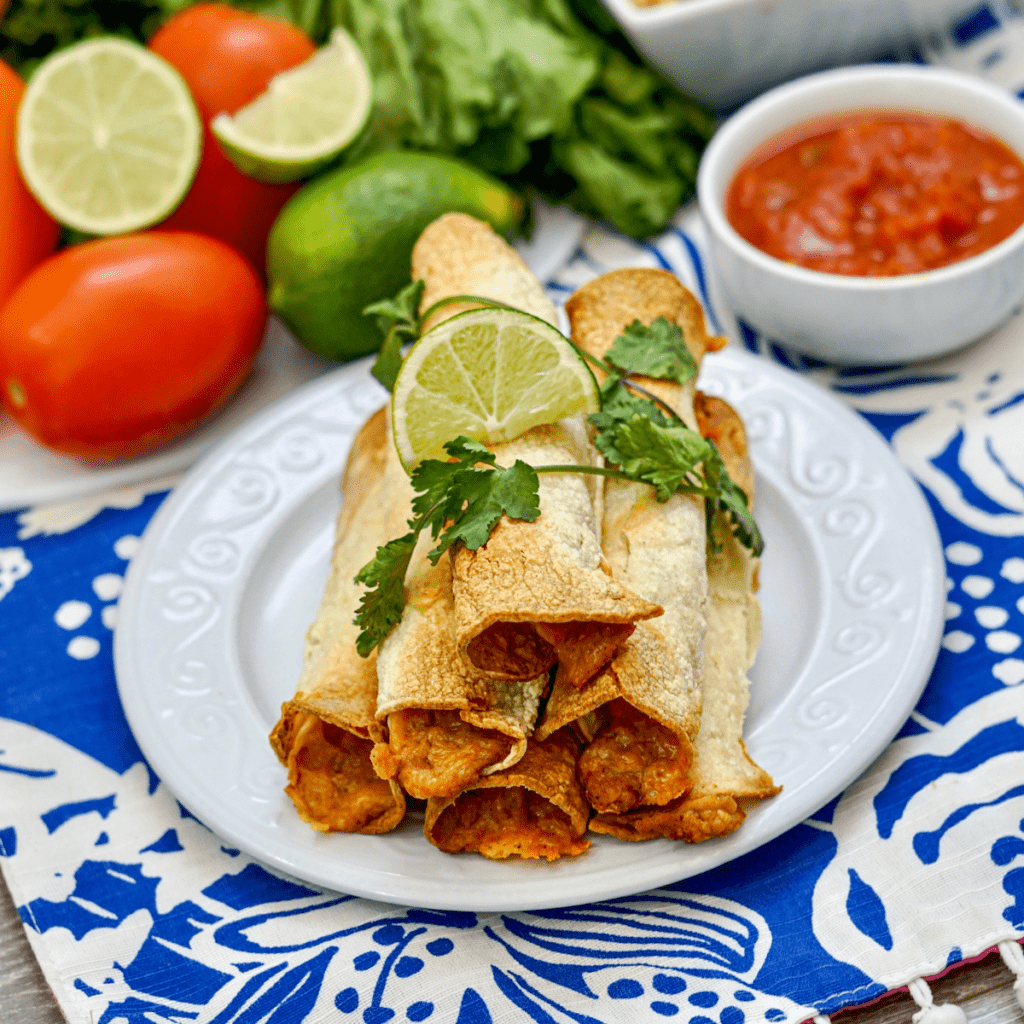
<point x="324" y="734"/>
<point x="536" y="593"/>
<point x="724" y="778"/>
<point x="534" y="809"/>
<point x="446" y="723"/>
<point x="642" y="712"/>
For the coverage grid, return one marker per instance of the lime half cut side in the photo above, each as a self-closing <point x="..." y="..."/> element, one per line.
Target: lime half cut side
<point x="108" y="137"/>
<point x="490" y="374"/>
<point x="304" y="119"/>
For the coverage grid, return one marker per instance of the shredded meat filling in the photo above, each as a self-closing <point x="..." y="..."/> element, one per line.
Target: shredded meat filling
<point x="500" y="823"/>
<point x="691" y="820"/>
<point x="523" y="650"/>
<point x="332" y="783"/>
<point x="513" y="650"/>
<point x="583" y="648"/>
<point x="436" y="753"/>
<point x="632" y="760"/>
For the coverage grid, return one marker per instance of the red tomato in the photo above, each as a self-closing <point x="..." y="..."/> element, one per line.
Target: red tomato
<point x="228" y="58"/>
<point x="115" y="346"/>
<point x="27" y="230"/>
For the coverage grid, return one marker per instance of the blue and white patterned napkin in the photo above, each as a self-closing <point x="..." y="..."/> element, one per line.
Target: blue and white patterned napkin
<point x="138" y="913"/>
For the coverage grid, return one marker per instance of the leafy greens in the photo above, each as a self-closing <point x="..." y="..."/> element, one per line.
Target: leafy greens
<point x="524" y="89"/>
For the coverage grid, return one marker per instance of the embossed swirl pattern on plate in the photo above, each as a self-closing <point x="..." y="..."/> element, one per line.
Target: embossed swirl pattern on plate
<point x="236" y="504"/>
<point x="841" y="506"/>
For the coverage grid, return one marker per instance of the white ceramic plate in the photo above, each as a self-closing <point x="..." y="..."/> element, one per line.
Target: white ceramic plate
<point x="209" y="641"/>
<point x="31" y="474"/>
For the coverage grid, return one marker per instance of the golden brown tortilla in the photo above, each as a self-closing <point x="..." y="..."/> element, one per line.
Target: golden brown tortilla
<point x="724" y="778"/>
<point x="447" y="723"/>
<point x="642" y="712"/>
<point x="514" y="595"/>
<point x="534" y="809"/>
<point x="324" y="733"/>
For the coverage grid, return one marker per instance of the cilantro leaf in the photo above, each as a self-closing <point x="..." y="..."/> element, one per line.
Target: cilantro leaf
<point x="438" y="482"/>
<point x="732" y="499"/>
<point x="403" y="309"/>
<point x="656" y="351"/>
<point x="664" y="456"/>
<point x="389" y="359"/>
<point x="482" y="497"/>
<point x="380" y="608"/>
<point x="398" y="318"/>
<point x="461" y="501"/>
<point x="635" y="435"/>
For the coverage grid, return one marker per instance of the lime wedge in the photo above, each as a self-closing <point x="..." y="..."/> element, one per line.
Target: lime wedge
<point x="108" y="137"/>
<point x="490" y="374"/>
<point x="306" y="117"/>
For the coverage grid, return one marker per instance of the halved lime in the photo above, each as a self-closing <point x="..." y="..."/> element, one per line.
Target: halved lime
<point x="490" y="374"/>
<point x="306" y="117"/>
<point x="108" y="136"/>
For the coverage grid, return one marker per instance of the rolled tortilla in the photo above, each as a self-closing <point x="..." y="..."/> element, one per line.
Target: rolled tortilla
<point x="724" y="778"/>
<point x="446" y="723"/>
<point x="643" y="711"/>
<point x="324" y="733"/>
<point x="531" y="810"/>
<point x="537" y="593"/>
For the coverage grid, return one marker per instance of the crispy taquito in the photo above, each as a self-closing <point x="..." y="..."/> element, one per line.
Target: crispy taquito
<point x="642" y="712"/>
<point x="446" y="723"/>
<point x="536" y="593"/>
<point x="534" y="809"/>
<point x="324" y="735"/>
<point x="724" y="779"/>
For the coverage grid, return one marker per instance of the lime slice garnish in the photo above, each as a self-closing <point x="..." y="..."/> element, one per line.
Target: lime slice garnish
<point x="306" y="117"/>
<point x="490" y="374"/>
<point x="108" y="136"/>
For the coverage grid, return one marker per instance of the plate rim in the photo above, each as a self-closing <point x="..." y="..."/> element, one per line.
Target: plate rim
<point x="916" y="667"/>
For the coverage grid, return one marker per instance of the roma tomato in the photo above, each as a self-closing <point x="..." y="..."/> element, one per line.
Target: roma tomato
<point x="118" y="345"/>
<point x="228" y="58"/>
<point x="27" y="231"/>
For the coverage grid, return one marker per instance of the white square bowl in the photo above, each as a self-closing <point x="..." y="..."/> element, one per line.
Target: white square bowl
<point x="725" y="51"/>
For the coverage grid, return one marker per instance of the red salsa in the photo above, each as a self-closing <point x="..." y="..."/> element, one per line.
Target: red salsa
<point x="878" y="194"/>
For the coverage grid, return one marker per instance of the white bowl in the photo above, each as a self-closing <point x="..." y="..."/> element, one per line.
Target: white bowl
<point x="726" y="51"/>
<point x="862" y="320"/>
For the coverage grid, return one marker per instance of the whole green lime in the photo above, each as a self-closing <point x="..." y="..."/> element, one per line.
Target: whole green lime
<point x="345" y="240"/>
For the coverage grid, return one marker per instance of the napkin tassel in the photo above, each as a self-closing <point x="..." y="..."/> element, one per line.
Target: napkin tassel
<point x="1013" y="957"/>
<point x="947" y="1013"/>
<point x="950" y="1013"/>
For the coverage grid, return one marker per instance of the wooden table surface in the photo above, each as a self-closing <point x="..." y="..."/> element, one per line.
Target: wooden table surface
<point x="984" y="990"/>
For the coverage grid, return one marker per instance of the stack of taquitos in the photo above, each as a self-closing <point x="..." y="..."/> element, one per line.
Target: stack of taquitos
<point x="535" y="595"/>
<point x="452" y="696"/>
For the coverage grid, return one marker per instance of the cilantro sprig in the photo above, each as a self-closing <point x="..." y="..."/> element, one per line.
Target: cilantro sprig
<point x="462" y="501"/>
<point x="400" y="323"/>
<point x="641" y="437"/>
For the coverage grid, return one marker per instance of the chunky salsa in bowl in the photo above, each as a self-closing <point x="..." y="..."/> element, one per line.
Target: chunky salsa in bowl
<point x="878" y="193"/>
<point x="870" y="215"/>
